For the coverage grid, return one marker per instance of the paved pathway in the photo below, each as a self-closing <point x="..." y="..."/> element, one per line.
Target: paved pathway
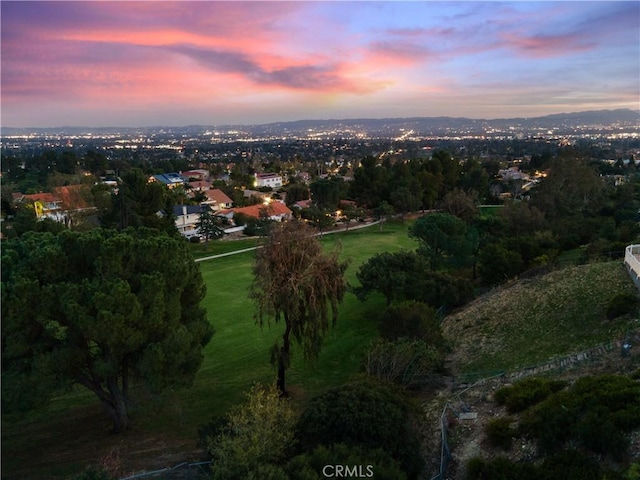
<point x="355" y="227"/>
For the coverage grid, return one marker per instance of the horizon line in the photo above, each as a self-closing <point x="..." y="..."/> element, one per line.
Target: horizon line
<point x="636" y="111"/>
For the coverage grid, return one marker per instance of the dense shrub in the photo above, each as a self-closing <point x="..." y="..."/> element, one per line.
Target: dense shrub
<point x="622" y="304"/>
<point x="597" y="433"/>
<point x="405" y="362"/>
<point x="498" y="264"/>
<point x="374" y="463"/>
<point x="255" y="439"/>
<point x="405" y="275"/>
<point x="573" y="465"/>
<point x="550" y="422"/>
<point x="500" y="469"/>
<point x="500" y="433"/>
<point x="412" y="320"/>
<point x="633" y="472"/>
<point x="595" y="413"/>
<point x="438" y="289"/>
<point x="367" y="414"/>
<point x="94" y="473"/>
<point x="566" y="465"/>
<point x="527" y="393"/>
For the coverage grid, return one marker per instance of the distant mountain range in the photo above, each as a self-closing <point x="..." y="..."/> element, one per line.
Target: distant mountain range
<point x="559" y="123"/>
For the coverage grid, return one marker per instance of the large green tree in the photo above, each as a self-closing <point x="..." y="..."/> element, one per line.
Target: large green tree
<point x="392" y="274"/>
<point x="405" y="275"/>
<point x="572" y="186"/>
<point x="444" y="239"/>
<point x="327" y="192"/>
<point x="100" y="309"/>
<point x="298" y="284"/>
<point x="369" y="186"/>
<point x="209" y="225"/>
<point x="140" y="203"/>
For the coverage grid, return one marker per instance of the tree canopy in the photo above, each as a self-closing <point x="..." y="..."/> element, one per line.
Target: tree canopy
<point x="137" y="203"/>
<point x="297" y="283"/>
<point x="405" y="275"/>
<point x="99" y="309"/>
<point x="444" y="238"/>
<point x="392" y="274"/>
<point x="209" y="225"/>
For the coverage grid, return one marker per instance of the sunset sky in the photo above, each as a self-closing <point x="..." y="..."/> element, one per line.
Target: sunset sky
<point x="131" y="63"/>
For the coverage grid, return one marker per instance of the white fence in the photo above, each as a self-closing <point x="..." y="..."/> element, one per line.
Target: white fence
<point x="632" y="263"/>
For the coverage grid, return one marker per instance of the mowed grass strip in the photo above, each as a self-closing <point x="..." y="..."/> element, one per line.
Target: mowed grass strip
<point x="165" y="427"/>
<point x="535" y="320"/>
<point x="215" y="247"/>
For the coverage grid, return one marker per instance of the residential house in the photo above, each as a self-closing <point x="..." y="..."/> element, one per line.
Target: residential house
<point x="217" y="200"/>
<point x="171" y="180"/>
<point x="277" y="211"/>
<point x="46" y="205"/>
<point x="199" y="174"/>
<point x="59" y="205"/>
<point x="73" y="197"/>
<point x="302" y="204"/>
<point x="199" y="185"/>
<point x="261" y="196"/>
<point x="186" y="218"/>
<point x="513" y="173"/>
<point x="272" y="180"/>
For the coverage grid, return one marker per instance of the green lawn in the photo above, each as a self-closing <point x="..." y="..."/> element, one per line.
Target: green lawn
<point x="71" y="432"/>
<point x="490" y="210"/>
<point x="216" y="247"/>
<point x="238" y="354"/>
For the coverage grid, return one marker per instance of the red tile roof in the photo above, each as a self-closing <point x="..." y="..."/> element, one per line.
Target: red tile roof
<point x="200" y="184"/>
<point x="218" y="196"/>
<point x="273" y="209"/>
<point x="44" y="197"/>
<point x="72" y="197"/>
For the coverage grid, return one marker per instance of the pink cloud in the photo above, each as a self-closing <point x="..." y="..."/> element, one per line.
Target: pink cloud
<point x="544" y="46"/>
<point x="206" y="42"/>
<point x="398" y="53"/>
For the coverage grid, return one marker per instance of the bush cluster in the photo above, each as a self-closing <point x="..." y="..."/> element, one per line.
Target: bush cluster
<point x="573" y="426"/>
<point x="595" y="413"/>
<point x="500" y="433"/>
<point x="527" y="393"/>
<point x="367" y="414"/>
<point x="359" y="425"/>
<point x="622" y="304"/>
<point x="566" y="465"/>
<point x="411" y="319"/>
<point x="405" y="362"/>
<point x="361" y="461"/>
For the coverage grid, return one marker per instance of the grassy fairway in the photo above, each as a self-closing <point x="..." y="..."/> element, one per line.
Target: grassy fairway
<point x="199" y="250"/>
<point x="72" y="431"/>
<point x="490" y="210"/>
<point x="238" y="355"/>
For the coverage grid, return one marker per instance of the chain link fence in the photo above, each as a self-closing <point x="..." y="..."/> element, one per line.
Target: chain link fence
<point x="182" y="471"/>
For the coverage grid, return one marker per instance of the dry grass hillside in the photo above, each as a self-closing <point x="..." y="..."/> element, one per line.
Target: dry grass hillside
<point x="531" y="321"/>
